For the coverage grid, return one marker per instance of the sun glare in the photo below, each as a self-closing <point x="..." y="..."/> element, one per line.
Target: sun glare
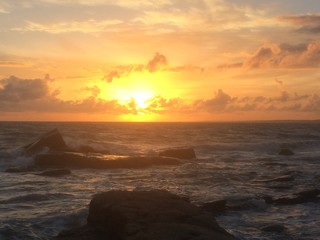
<point x="140" y="98"/>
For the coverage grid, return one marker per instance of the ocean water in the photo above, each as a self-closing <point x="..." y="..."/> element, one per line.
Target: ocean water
<point x="233" y="162"/>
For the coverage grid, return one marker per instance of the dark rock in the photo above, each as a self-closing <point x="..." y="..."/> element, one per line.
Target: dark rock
<point x="89" y="149"/>
<point x="155" y="215"/>
<point x="286" y="152"/>
<point x="274" y="228"/>
<point x="285" y="178"/>
<point x="52" y="140"/>
<point x="216" y="207"/>
<point x="78" y="160"/>
<point x="56" y="173"/>
<point x="20" y="169"/>
<point x="296" y="198"/>
<point x="182" y="153"/>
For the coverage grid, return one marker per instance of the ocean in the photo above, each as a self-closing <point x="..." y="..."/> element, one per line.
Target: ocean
<point x="236" y="161"/>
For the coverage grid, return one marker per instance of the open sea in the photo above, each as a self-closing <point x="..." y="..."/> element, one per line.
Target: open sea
<point x="235" y="161"/>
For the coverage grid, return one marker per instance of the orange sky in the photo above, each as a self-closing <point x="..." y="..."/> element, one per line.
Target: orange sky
<point x="164" y="60"/>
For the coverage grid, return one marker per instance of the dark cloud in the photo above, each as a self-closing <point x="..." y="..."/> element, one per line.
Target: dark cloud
<point x="306" y="23"/>
<point x="301" y="20"/>
<point x="25" y="95"/>
<point x="286" y="56"/>
<point x="14" y="89"/>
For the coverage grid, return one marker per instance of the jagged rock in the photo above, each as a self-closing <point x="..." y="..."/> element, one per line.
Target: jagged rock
<point x="296" y="198"/>
<point x="274" y="228"/>
<point x="56" y="172"/>
<point x="139" y="215"/>
<point x="286" y="152"/>
<point x="182" y="153"/>
<point x="52" y="140"/>
<point x="78" y="160"/>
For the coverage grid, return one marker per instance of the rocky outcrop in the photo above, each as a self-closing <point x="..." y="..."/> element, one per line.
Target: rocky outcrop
<point x="51" y="140"/>
<point x="78" y="160"/>
<point x="138" y="215"/>
<point x="182" y="153"/>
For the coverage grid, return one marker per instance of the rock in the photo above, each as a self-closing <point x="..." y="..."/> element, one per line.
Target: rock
<point x="56" y="173"/>
<point x="89" y="149"/>
<point x="139" y="215"/>
<point x="78" y="160"/>
<point x="52" y="140"/>
<point x="215" y="207"/>
<point x="182" y="153"/>
<point x="20" y="169"/>
<point x="285" y="178"/>
<point x="286" y="152"/>
<point x="296" y="198"/>
<point x="274" y="228"/>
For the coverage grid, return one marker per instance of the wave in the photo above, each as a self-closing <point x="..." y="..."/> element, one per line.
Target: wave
<point x="14" y="158"/>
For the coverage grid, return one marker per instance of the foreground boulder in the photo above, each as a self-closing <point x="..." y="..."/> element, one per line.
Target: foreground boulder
<point x="182" y="153"/>
<point x="51" y="140"/>
<point x="78" y="160"/>
<point x="156" y="215"/>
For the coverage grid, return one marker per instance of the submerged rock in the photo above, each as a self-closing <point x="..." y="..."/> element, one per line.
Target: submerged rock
<point x="138" y="215"/>
<point x="285" y="152"/>
<point x="296" y="198"/>
<point x="20" y="169"/>
<point x="78" y="160"/>
<point x="274" y="228"/>
<point x="182" y="153"/>
<point x="56" y="172"/>
<point x="51" y="140"/>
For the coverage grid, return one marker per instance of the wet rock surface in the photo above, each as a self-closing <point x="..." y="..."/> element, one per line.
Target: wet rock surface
<point x="73" y="160"/>
<point x="139" y="215"/>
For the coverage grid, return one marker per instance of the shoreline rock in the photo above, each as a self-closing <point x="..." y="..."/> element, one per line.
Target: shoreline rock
<point x="156" y="215"/>
<point x="77" y="160"/>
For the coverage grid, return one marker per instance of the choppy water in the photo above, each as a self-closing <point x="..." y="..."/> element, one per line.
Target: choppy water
<point x="233" y="158"/>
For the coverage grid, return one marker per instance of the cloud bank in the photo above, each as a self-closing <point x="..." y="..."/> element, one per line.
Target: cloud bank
<point x="35" y="95"/>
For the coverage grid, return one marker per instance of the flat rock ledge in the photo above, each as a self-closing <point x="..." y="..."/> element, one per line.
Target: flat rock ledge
<point x="146" y="215"/>
<point x="79" y="160"/>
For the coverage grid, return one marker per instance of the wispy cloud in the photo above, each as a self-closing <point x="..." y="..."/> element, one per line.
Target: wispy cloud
<point x="89" y="26"/>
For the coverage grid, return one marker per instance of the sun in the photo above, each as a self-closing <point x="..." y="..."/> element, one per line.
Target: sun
<point x="140" y="97"/>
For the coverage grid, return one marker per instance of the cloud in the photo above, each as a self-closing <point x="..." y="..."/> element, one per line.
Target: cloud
<point x="219" y="102"/>
<point x="35" y="95"/>
<point x="14" y="89"/>
<point x="309" y="23"/>
<point x="157" y="63"/>
<point x="301" y="20"/>
<point x="88" y="26"/>
<point x="286" y="56"/>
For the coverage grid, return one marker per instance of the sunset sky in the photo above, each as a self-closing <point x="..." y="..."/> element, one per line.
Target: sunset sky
<point x="159" y="60"/>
